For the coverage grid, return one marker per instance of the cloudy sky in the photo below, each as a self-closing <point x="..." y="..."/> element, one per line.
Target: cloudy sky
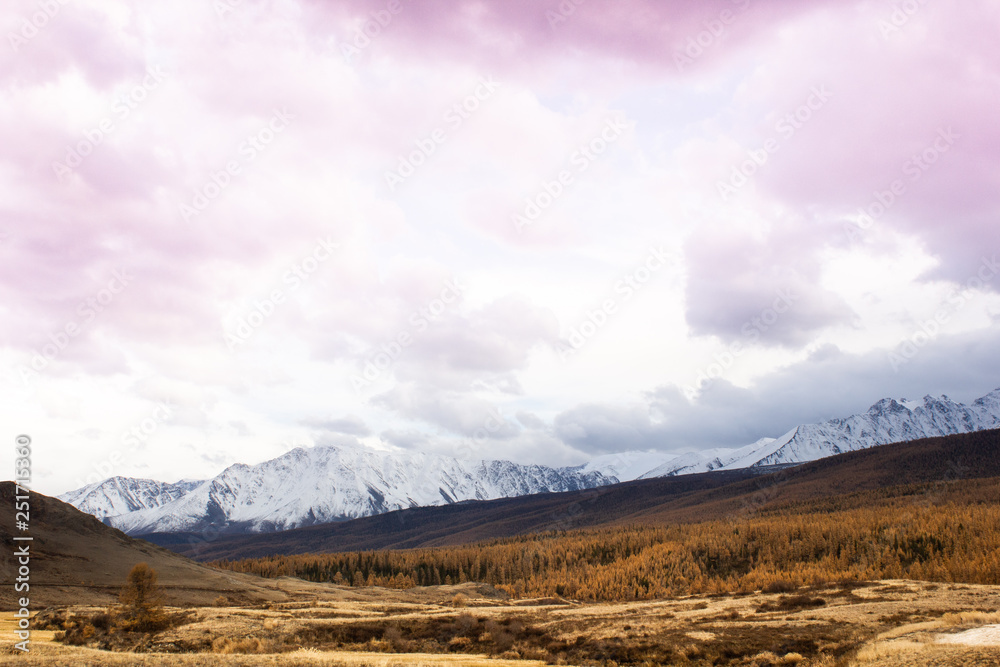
<point x="523" y="229"/>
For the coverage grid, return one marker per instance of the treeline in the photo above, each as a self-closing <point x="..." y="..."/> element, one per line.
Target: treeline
<point x="948" y="542"/>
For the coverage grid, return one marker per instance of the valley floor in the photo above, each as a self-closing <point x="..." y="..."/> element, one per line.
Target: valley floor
<point x="894" y="623"/>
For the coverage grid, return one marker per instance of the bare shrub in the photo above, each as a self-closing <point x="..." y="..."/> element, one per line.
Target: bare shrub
<point x="780" y="586"/>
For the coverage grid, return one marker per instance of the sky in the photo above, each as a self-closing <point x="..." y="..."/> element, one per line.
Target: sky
<point x="534" y="230"/>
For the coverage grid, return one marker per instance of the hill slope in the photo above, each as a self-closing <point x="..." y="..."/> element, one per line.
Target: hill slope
<point x="77" y="559"/>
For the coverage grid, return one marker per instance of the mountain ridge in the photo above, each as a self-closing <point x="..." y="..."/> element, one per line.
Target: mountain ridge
<point x="319" y="485"/>
<point x="957" y="468"/>
<point x="327" y="484"/>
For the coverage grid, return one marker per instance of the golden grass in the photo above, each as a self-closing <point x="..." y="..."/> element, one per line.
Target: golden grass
<point x="883" y="623"/>
<point x="920" y="643"/>
<point x="79" y="657"/>
<point x="971" y="618"/>
<point x="879" y="652"/>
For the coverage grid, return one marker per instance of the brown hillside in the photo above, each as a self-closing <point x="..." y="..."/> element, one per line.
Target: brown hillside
<point x="76" y="559"/>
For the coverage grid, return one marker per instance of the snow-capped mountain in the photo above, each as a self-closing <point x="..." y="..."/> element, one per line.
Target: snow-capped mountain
<point x="323" y="484"/>
<point x="121" y="495"/>
<point x="318" y="485"/>
<point x="887" y="421"/>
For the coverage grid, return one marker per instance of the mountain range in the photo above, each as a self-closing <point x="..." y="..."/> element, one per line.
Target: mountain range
<point x="325" y="484"/>
<point x="316" y="485"/>
<point x="963" y="469"/>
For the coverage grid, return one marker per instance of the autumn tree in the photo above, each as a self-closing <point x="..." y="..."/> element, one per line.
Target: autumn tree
<point x="141" y="601"/>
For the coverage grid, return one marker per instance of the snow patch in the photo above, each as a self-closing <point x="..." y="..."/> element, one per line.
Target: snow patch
<point x="988" y="635"/>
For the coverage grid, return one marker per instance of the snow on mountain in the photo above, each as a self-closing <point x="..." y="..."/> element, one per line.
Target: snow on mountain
<point x="121" y="495"/>
<point x="887" y="421"/>
<point x="763" y="442"/>
<point x="323" y="484"/>
<point x="626" y="466"/>
<point x="689" y="463"/>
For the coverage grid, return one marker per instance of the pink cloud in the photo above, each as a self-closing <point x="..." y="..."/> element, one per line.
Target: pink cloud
<point x="912" y="109"/>
<point x="518" y="32"/>
<point x="323" y="176"/>
<point x="47" y="43"/>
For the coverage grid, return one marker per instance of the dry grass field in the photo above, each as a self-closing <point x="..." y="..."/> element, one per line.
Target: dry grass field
<point x="894" y="623"/>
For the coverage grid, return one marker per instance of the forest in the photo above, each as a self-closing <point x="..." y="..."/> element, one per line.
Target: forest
<point x="946" y="531"/>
